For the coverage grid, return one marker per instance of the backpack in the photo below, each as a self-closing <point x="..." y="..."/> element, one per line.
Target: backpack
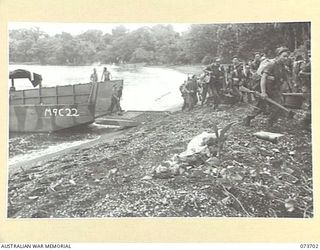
<point x="258" y="74"/>
<point x="297" y="67"/>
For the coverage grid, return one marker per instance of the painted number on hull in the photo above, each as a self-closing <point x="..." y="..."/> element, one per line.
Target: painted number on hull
<point x="61" y="112"/>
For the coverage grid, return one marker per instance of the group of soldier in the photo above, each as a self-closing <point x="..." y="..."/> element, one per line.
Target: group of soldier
<point x="115" y="106"/>
<point x="244" y="81"/>
<point x="106" y="75"/>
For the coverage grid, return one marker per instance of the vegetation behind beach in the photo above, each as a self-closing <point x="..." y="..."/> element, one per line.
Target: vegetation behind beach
<point x="159" y="44"/>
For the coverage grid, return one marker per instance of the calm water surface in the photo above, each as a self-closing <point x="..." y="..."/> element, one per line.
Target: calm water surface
<point x="145" y="88"/>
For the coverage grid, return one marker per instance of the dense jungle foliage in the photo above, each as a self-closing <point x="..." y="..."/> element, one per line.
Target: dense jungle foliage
<point x="159" y="44"/>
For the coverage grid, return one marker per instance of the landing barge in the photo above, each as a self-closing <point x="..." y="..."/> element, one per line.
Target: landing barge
<point x="49" y="109"/>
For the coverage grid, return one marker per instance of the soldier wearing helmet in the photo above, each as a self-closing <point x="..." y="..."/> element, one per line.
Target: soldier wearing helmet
<point x="215" y="73"/>
<point x="273" y="75"/>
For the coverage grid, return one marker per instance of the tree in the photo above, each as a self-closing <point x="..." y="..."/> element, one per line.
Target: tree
<point x="201" y="41"/>
<point x="157" y="44"/>
<point x="142" y="55"/>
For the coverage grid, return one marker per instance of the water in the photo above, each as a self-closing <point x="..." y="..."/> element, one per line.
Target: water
<point x="145" y="88"/>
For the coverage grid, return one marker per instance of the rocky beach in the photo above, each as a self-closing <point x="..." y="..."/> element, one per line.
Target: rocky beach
<point x="137" y="172"/>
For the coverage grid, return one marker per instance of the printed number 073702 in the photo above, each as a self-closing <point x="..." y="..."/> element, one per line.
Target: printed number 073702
<point x="309" y="246"/>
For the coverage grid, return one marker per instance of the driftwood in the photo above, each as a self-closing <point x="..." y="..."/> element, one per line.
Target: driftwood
<point x="268" y="136"/>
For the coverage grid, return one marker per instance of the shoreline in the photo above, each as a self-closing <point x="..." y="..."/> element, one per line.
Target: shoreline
<point x="114" y="177"/>
<point x="106" y="137"/>
<point x="183" y="68"/>
<point x="32" y="162"/>
<point x="130" y="172"/>
<point x="27" y="164"/>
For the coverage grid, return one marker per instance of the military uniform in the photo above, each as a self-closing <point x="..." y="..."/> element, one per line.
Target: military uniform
<point x="115" y="99"/>
<point x="237" y="77"/>
<point x="296" y="69"/>
<point x="192" y="87"/>
<point x="203" y="88"/>
<point x="246" y="81"/>
<point x="215" y="83"/>
<point x="256" y="61"/>
<point x="305" y="76"/>
<point x="275" y="76"/>
<point x="184" y="94"/>
<point x="106" y="76"/>
<point x="255" y="65"/>
<point x="94" y="77"/>
<point x="229" y="76"/>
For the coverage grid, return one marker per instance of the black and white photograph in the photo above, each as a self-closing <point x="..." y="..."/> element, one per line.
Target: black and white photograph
<point x="111" y="120"/>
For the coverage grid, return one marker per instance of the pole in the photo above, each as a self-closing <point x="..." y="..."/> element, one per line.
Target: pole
<point x="269" y="100"/>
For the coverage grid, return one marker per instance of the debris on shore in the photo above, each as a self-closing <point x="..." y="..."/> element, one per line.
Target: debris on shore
<point x="142" y="173"/>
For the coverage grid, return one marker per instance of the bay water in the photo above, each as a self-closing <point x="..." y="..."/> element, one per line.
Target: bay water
<point x="145" y="88"/>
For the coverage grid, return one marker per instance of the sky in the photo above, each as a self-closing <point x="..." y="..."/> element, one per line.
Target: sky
<point x="78" y="28"/>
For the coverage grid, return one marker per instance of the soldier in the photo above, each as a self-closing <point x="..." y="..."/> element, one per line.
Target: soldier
<point x="201" y="86"/>
<point x="119" y="95"/>
<point x="272" y="77"/>
<point x="256" y="61"/>
<point x="256" y="77"/>
<point x="215" y="81"/>
<point x="222" y="77"/>
<point x="246" y="81"/>
<point x="94" y="76"/>
<point x="296" y="69"/>
<point x="305" y="76"/>
<point x="246" y="76"/>
<point x="229" y="76"/>
<point x="199" y="80"/>
<point x="204" y="82"/>
<point x="192" y="87"/>
<point x="106" y="75"/>
<point x="236" y="76"/>
<point x="184" y="94"/>
<point x="115" y="100"/>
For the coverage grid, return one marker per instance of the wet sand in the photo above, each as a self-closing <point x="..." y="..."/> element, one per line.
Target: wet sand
<point x="22" y="166"/>
<point x="106" y="136"/>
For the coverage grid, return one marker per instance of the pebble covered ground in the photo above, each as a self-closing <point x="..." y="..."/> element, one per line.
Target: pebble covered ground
<point x="250" y="178"/>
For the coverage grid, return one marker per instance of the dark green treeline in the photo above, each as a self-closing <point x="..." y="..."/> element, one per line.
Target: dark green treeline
<point x="159" y="44"/>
